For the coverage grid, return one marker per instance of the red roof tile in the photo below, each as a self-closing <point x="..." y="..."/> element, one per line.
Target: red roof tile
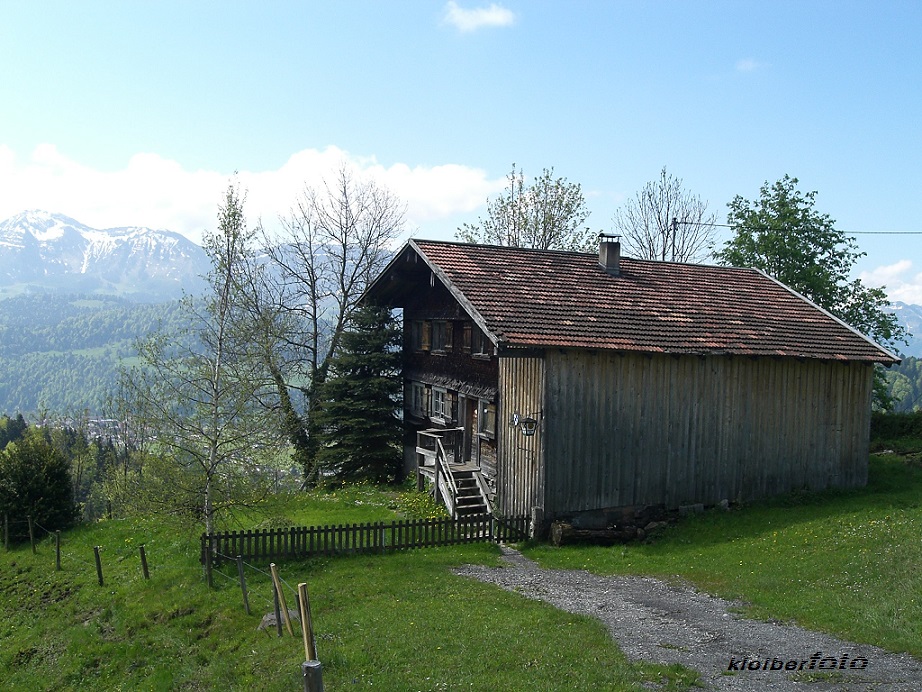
<point x="536" y="298"/>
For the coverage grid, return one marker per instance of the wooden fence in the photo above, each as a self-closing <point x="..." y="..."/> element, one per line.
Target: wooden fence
<point x="378" y="537"/>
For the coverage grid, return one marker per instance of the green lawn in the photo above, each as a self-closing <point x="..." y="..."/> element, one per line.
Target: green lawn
<point x="395" y="622"/>
<point x="848" y="563"/>
<point x="842" y="562"/>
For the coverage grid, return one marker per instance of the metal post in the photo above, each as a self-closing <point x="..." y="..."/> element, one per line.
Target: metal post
<point x="98" y="564"/>
<point x="57" y="550"/>
<point x="144" y="562"/>
<point x="312" y="672"/>
<point x="31" y="534"/>
<point x="278" y="611"/>
<point x="243" y="584"/>
<point x="208" y="576"/>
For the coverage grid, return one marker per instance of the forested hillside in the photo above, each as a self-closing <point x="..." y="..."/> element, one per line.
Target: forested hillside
<point x="905" y="383"/>
<point x="60" y="353"/>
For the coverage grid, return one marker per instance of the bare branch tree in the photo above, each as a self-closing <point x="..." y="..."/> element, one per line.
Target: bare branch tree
<point x="665" y="222"/>
<point x="337" y="238"/>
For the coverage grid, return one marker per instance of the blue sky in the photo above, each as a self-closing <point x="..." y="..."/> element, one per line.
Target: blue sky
<point x="137" y="113"/>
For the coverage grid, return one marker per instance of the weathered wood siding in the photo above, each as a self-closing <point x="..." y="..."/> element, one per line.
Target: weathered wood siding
<point x="627" y="430"/>
<point x="520" y="467"/>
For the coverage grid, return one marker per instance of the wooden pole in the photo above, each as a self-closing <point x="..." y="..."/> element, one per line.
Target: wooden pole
<point x="6" y="531"/>
<point x="31" y="534"/>
<point x="144" y="562"/>
<point x="98" y="564"/>
<point x="307" y="627"/>
<point x="278" y="590"/>
<point x="57" y="550"/>
<point x="243" y="584"/>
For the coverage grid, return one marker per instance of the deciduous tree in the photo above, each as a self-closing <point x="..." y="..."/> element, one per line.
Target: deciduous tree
<point x="35" y="481"/>
<point x="338" y="237"/>
<point x="663" y="221"/>
<point x="199" y="393"/>
<point x="547" y="214"/>
<point x="783" y="235"/>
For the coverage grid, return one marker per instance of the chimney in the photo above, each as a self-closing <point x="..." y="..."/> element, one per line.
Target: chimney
<point x="610" y="253"/>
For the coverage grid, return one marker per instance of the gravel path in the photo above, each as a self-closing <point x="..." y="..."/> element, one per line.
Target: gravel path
<point x="653" y="621"/>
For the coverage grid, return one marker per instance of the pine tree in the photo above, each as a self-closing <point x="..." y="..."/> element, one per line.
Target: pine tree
<point x="360" y="431"/>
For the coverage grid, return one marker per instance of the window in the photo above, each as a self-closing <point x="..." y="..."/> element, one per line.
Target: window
<point x="420" y="335"/>
<point x="486" y="419"/>
<point x="441" y="335"/>
<point x="417" y="400"/>
<point x="441" y="406"/>
<point x="480" y="344"/>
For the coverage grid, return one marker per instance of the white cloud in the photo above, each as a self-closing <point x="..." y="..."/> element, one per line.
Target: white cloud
<point x="899" y="281"/>
<point x="470" y="20"/>
<point x="160" y="193"/>
<point x="748" y="65"/>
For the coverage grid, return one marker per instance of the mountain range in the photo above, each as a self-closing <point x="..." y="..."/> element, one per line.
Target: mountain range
<point x="41" y="251"/>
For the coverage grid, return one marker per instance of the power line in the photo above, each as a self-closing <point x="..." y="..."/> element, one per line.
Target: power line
<point x="774" y="228"/>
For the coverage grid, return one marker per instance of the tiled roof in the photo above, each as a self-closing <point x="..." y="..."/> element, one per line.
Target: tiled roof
<point x="536" y="298"/>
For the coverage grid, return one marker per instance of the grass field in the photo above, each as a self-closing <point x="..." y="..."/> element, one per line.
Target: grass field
<point x="841" y="562"/>
<point x="394" y="622"/>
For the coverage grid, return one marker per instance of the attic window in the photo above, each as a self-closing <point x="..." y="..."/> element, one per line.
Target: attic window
<point x="420" y="335"/>
<point x="442" y="334"/>
<point x="481" y="346"/>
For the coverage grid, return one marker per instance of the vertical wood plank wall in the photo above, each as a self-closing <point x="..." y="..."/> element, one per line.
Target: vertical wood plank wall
<point x="624" y="430"/>
<point x="520" y="459"/>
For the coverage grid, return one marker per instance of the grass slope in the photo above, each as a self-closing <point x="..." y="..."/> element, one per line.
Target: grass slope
<point x="394" y="622"/>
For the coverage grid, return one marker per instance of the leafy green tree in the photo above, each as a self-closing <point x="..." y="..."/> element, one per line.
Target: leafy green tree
<point x="11" y="429"/>
<point x="200" y="394"/>
<point x="360" y="432"/>
<point x="665" y="222"/>
<point x="547" y="214"/>
<point x="35" y="481"/>
<point x="784" y="236"/>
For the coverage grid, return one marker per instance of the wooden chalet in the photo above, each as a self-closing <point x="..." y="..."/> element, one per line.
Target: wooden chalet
<point x="578" y="386"/>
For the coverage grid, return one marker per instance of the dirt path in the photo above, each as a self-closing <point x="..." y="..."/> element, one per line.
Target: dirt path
<point x="654" y="621"/>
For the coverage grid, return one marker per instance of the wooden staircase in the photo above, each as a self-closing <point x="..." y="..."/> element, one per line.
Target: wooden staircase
<point x="469" y="499"/>
<point x="460" y="486"/>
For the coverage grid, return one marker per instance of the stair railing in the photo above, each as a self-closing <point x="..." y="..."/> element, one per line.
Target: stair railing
<point x="444" y="480"/>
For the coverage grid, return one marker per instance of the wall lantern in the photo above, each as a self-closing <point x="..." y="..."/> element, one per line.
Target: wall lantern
<point x="527" y="424"/>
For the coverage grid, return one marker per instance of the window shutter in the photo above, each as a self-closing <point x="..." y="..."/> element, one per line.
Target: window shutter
<point x="449" y="335"/>
<point x="427" y="335"/>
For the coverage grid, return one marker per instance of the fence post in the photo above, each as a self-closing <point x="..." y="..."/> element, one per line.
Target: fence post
<point x="278" y="610"/>
<point x="208" y="577"/>
<point x="98" y="564"/>
<point x="243" y="584"/>
<point x="31" y="533"/>
<point x="282" y="602"/>
<point x="143" y="561"/>
<point x="311" y="670"/>
<point x="6" y="531"/>
<point x="57" y="550"/>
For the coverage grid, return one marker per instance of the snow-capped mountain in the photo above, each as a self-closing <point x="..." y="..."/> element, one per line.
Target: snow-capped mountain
<point x="44" y="251"/>
<point x="910" y="316"/>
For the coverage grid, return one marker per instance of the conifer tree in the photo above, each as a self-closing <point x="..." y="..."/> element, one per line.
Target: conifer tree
<point x="360" y="431"/>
